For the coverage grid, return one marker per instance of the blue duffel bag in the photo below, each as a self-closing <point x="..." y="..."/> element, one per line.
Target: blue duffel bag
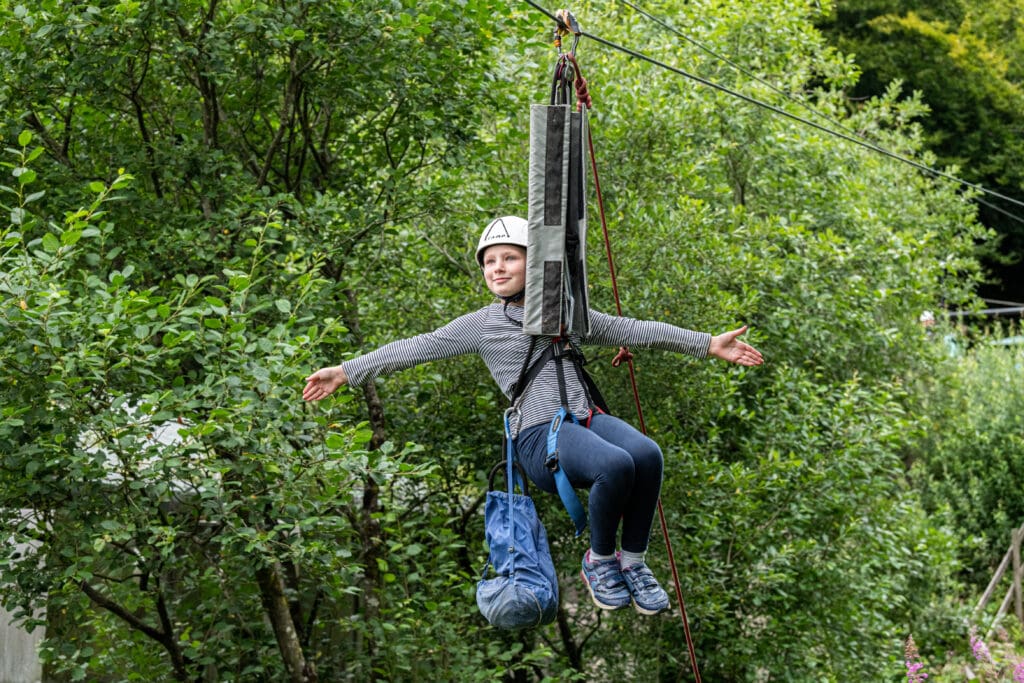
<point x="519" y="588"/>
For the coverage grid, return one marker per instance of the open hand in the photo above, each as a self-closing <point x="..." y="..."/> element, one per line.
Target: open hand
<point x="728" y="347"/>
<point x="323" y="382"/>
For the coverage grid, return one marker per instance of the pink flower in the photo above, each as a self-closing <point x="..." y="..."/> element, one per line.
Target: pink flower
<point x="914" y="673"/>
<point x="1018" y="672"/>
<point x="979" y="649"/>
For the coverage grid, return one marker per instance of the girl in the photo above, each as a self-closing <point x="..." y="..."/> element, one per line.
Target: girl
<point x="621" y="466"/>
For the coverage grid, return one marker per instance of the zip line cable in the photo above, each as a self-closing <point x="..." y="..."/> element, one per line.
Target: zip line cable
<point x="749" y="74"/>
<point x="746" y="72"/>
<point x="782" y="112"/>
<point x="999" y="210"/>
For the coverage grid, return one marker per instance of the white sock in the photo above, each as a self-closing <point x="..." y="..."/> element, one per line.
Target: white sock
<point x="594" y="557"/>
<point x="628" y="559"/>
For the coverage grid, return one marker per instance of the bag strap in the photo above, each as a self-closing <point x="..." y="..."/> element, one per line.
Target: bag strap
<point x="519" y="475"/>
<point x="510" y="480"/>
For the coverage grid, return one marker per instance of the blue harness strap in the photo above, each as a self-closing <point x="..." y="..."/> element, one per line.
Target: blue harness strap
<point x="558" y="349"/>
<point x="565" y="491"/>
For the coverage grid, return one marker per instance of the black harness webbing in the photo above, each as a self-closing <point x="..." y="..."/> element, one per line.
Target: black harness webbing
<point x="556" y="351"/>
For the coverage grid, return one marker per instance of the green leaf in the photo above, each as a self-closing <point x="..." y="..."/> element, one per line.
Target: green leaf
<point x="24" y="137"/>
<point x="283" y="305"/>
<point x="50" y="243"/>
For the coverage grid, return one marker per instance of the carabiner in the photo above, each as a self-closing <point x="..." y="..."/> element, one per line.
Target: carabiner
<point x="510" y="412"/>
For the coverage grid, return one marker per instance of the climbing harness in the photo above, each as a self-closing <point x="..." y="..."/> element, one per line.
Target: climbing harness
<point x="557" y="351"/>
<point x="556" y="274"/>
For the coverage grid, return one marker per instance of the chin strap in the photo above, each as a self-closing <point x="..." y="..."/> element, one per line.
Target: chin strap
<point x="515" y="298"/>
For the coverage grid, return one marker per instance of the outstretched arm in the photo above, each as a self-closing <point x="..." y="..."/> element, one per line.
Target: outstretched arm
<point x="323" y="382"/>
<point x="458" y="337"/>
<point x="728" y="347"/>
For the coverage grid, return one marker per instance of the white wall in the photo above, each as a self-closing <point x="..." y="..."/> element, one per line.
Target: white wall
<point x="18" y="660"/>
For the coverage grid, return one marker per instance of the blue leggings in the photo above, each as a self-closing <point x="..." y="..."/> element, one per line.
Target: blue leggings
<point x="621" y="467"/>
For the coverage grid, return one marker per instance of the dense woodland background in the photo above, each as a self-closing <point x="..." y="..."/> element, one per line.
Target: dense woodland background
<point x="205" y="200"/>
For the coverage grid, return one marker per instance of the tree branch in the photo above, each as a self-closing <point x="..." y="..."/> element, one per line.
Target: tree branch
<point x="165" y="638"/>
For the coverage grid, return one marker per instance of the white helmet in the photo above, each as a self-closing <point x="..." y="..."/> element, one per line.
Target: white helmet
<point x="504" y="230"/>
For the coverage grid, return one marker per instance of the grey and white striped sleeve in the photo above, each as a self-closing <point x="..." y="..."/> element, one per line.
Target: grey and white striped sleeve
<point x="460" y="336"/>
<point x="610" y="330"/>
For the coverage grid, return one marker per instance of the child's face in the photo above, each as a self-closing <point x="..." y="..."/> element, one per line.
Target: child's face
<point x="505" y="269"/>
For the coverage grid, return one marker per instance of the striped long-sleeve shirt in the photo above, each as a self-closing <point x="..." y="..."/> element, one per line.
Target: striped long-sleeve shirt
<point x="503" y="346"/>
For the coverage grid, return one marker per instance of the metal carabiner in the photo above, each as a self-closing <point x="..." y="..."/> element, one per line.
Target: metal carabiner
<point x="510" y="411"/>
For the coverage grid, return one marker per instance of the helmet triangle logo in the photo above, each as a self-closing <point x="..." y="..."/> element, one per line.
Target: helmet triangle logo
<point x="497" y="231"/>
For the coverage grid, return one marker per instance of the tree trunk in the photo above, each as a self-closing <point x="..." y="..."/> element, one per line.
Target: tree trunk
<point x="370" y="532"/>
<point x="573" y="652"/>
<point x="275" y="603"/>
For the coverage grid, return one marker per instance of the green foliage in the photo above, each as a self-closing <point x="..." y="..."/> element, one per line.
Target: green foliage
<point x="304" y="182"/>
<point x="968" y="460"/>
<point x="963" y="59"/>
<point x="806" y="533"/>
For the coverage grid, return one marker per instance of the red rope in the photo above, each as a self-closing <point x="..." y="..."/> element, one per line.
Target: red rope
<point x="625" y="354"/>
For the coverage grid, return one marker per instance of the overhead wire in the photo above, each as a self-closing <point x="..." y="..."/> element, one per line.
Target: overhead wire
<point x="999" y="210"/>
<point x="1002" y="302"/>
<point x="774" y="88"/>
<point x="782" y="112"/>
<point x="743" y="70"/>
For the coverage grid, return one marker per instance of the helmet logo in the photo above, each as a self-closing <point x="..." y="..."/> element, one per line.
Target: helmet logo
<point x="493" y="232"/>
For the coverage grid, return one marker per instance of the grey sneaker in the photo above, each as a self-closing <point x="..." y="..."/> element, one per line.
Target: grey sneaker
<point x="604" y="581"/>
<point x="648" y="595"/>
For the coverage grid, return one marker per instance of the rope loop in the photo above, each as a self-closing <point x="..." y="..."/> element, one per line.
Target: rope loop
<point x="582" y="92"/>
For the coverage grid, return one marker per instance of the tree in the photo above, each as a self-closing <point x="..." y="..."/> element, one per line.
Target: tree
<point x="291" y="141"/>
<point x="963" y="60"/>
<point x="294" y="203"/>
